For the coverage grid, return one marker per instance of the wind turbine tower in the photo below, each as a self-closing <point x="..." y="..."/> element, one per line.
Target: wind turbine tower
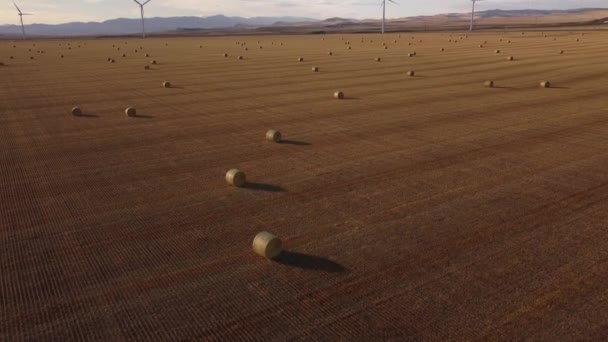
<point x="143" y="26"/>
<point x="473" y="14"/>
<point x="383" y="5"/>
<point x="21" y="14"/>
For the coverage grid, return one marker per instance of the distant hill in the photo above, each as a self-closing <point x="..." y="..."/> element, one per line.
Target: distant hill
<point x="124" y="26"/>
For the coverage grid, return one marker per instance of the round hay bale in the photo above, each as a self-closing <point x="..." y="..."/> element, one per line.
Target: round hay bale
<point x="62" y="56"/>
<point x="109" y="59"/>
<point x="497" y="51"/>
<point x="300" y="59"/>
<point x="267" y="245"/>
<point x="480" y="45"/>
<point x="124" y="55"/>
<point x="130" y="112"/>
<point x="236" y="177"/>
<point x="378" y="59"/>
<point x="561" y="52"/>
<point x="240" y="58"/>
<point x="147" y="55"/>
<point x="274" y="136"/>
<point x="488" y="84"/>
<point x="246" y="49"/>
<point x="510" y="58"/>
<point x="545" y="84"/>
<point x="410" y="54"/>
<point x="411" y="73"/>
<point x="112" y="61"/>
<point x="11" y="57"/>
<point x="330" y="53"/>
<point x="166" y="84"/>
<point x="339" y="95"/>
<point x="350" y="48"/>
<point x="225" y="55"/>
<point x="32" y="57"/>
<point x="1" y="63"/>
<point x="153" y="61"/>
<point x="442" y="49"/>
<point x="147" y="67"/>
<point x="385" y="47"/>
<point x="135" y="50"/>
<point x="76" y="111"/>
<point x="315" y="69"/>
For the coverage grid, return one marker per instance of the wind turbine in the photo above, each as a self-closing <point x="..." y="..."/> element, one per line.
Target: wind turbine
<point x="141" y="7"/>
<point x="383" y="5"/>
<point x="21" y="14"/>
<point x="473" y="14"/>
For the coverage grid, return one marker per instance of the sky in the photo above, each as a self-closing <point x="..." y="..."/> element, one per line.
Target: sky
<point x="62" y="11"/>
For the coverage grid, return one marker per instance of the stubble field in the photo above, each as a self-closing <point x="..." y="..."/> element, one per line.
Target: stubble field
<point x="425" y="208"/>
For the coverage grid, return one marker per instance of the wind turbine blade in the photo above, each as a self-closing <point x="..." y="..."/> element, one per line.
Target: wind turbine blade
<point x="17" y="7"/>
<point x="139" y="3"/>
<point x="146" y="2"/>
<point x="26" y="14"/>
<point x="396" y="3"/>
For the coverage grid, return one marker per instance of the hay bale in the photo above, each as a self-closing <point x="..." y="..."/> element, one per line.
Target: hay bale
<point x="225" y="55"/>
<point x="510" y="58"/>
<point x="330" y="53"/>
<point x="166" y="84"/>
<point x="411" y="73"/>
<point x="76" y="111"/>
<point x="147" y="67"/>
<point x="274" y="136"/>
<point x="497" y="51"/>
<point x="62" y="56"/>
<point x="378" y="59"/>
<point x="147" y="55"/>
<point x="545" y="84"/>
<point x="561" y="52"/>
<point x="442" y="49"/>
<point x="339" y="95"/>
<point x="1" y="63"/>
<point x="480" y="45"/>
<point x="488" y="84"/>
<point x="236" y="177"/>
<point x="112" y="61"/>
<point x="31" y="57"/>
<point x="410" y="54"/>
<point x="267" y="245"/>
<point x="124" y="55"/>
<point x="130" y="112"/>
<point x="240" y="58"/>
<point x="300" y="59"/>
<point x="350" y="48"/>
<point x="11" y="57"/>
<point x="385" y="47"/>
<point x="315" y="69"/>
<point x="153" y="61"/>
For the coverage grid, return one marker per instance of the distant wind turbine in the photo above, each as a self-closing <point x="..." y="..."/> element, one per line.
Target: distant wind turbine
<point x="143" y="26"/>
<point x="21" y="14"/>
<point x="383" y="5"/>
<point x="473" y="15"/>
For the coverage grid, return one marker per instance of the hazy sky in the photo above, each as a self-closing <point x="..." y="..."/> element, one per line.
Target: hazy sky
<point x="59" y="11"/>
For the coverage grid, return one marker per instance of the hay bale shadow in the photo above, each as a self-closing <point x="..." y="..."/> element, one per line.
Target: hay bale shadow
<point x="263" y="187"/>
<point x="308" y="262"/>
<point x="294" y="142"/>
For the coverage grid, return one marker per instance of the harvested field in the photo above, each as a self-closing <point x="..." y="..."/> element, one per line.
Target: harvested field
<point x="417" y="208"/>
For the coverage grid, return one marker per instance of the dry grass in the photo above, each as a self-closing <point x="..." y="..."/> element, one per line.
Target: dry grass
<point x="428" y="208"/>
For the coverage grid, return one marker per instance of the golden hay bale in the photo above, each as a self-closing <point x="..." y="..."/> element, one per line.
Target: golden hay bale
<point x="146" y="67"/>
<point x="339" y="95"/>
<point x="62" y="56"/>
<point x="31" y="57"/>
<point x="240" y="58"/>
<point x="246" y="49"/>
<point x="153" y="61"/>
<point x="480" y="45"/>
<point x="315" y="69"/>
<point x="442" y="49"/>
<point x="124" y="55"/>
<point x="135" y="50"/>
<point x="330" y="53"/>
<point x="510" y="58"/>
<point x="410" y="54"/>
<point x="497" y="51"/>
<point x="130" y="112"/>
<point x="76" y="111"/>
<point x="350" y="48"/>
<point x="225" y="55"/>
<point x="561" y="52"/>
<point x="488" y="84"/>
<point x="267" y="245"/>
<point x="166" y="84"/>
<point x="274" y="136"/>
<point x="112" y="61"/>
<point x="411" y="73"/>
<point x="147" y="55"/>
<point x="11" y="57"/>
<point x="545" y="84"/>
<point x="300" y="59"/>
<point x="386" y="48"/>
<point x="378" y="59"/>
<point x="236" y="177"/>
